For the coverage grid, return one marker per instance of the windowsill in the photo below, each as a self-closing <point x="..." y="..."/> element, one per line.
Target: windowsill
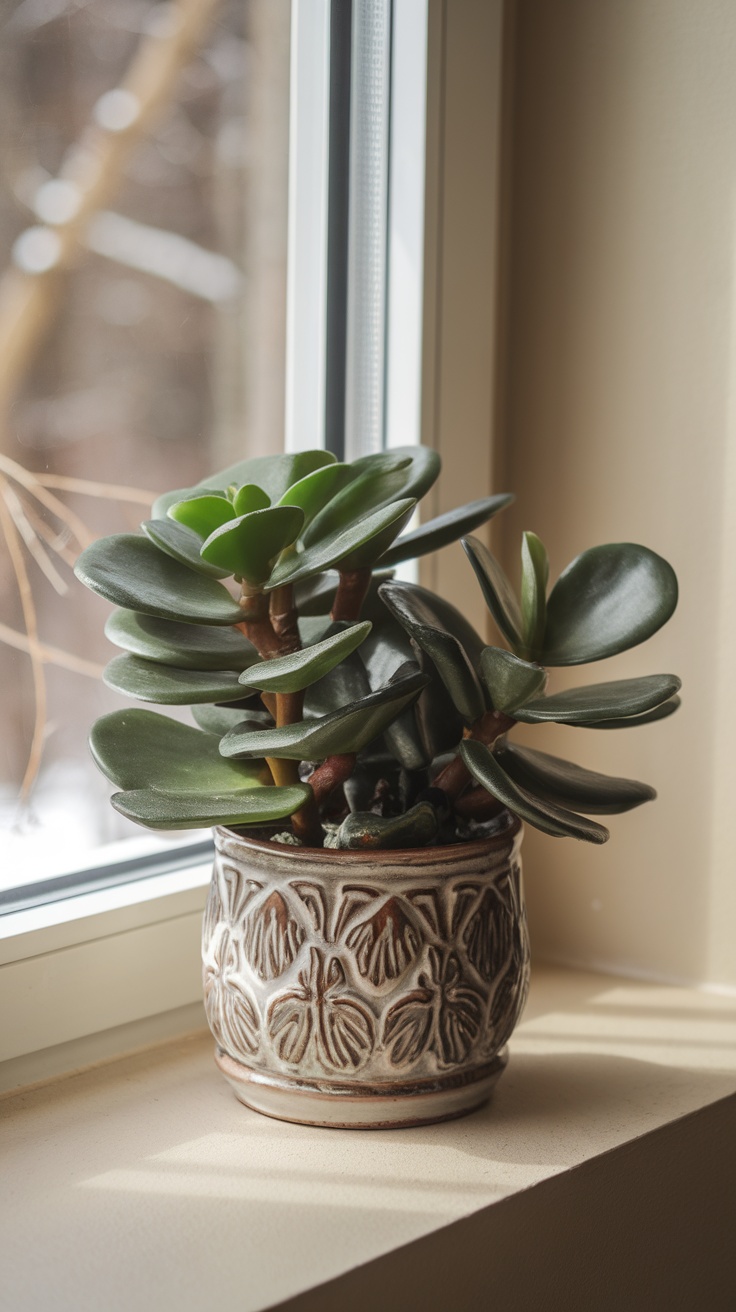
<point x="143" y="1183"/>
<point x="93" y="976"/>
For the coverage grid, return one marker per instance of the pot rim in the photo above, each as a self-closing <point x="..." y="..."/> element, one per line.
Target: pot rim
<point x="448" y="853"/>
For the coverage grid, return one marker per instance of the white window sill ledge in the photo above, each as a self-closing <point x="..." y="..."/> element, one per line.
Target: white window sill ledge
<point x="143" y="1183"/>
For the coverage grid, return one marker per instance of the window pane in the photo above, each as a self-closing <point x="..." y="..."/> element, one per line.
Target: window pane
<point x="142" y="337"/>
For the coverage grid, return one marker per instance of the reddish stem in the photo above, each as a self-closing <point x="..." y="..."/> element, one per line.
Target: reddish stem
<point x="351" y="593"/>
<point x="478" y="804"/>
<point x="330" y="774"/>
<point x="456" y="776"/>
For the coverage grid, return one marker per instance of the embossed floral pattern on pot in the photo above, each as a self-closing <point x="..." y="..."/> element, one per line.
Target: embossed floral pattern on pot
<point x="394" y="976"/>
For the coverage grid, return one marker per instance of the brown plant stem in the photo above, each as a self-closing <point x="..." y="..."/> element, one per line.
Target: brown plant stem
<point x="307" y="825"/>
<point x="478" y="804"/>
<point x="284" y="616"/>
<point x="455" y="777"/>
<point x="256" y="623"/>
<point x="351" y="593"/>
<point x="330" y="775"/>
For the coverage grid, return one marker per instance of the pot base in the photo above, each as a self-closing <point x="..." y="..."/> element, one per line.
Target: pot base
<point x="374" y="1107"/>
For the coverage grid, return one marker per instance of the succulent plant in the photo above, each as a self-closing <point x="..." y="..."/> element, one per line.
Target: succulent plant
<point x="363" y="710"/>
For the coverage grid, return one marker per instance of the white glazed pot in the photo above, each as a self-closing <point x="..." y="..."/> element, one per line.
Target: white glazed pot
<point x="364" y="988"/>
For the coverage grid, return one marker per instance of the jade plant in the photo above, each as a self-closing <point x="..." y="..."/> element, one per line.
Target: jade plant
<point x="335" y="705"/>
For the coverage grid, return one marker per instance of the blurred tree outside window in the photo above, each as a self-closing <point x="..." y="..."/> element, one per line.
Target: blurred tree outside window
<point x="143" y="235"/>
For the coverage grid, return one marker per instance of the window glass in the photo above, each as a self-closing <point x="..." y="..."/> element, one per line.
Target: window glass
<point x="143" y="225"/>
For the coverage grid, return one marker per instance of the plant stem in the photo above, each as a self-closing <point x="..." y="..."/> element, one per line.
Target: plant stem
<point x="478" y="804"/>
<point x="256" y="623"/>
<point x="456" y="776"/>
<point x="284" y="618"/>
<point x="331" y="774"/>
<point x="351" y="593"/>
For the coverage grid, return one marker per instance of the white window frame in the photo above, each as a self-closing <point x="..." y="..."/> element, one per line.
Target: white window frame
<point x="107" y="971"/>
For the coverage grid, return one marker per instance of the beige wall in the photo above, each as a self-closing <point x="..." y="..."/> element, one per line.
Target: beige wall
<point x="619" y="416"/>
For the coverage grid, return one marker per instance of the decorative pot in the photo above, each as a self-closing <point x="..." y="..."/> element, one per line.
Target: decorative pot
<point x="364" y="988"/>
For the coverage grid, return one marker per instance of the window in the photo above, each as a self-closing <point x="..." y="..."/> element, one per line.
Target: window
<point x="142" y="317"/>
<point x="146" y="210"/>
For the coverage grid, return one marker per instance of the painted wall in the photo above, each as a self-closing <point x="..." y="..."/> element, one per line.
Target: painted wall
<point x="619" y="395"/>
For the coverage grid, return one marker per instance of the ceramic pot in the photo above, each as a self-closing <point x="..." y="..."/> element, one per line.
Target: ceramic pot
<point x="364" y="988"/>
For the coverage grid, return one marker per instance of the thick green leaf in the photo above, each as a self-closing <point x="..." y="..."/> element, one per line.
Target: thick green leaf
<point x="189" y="811"/>
<point x="272" y="473"/>
<point x="168" y="686"/>
<point x="312" y="493"/>
<point x="346" y="684"/>
<point x="446" y="615"/>
<point x="385" y="651"/>
<point x="379" y="480"/>
<point x="141" y="749"/>
<point x="219" y="720"/>
<point x="498" y="592"/>
<point x="369" y="532"/>
<point x="534" y="578"/>
<point x="162" y="504"/>
<point x="567" y="784"/>
<point x="364" y="831"/>
<point x="249" y="545"/>
<point x="347" y="730"/>
<point x="609" y="599"/>
<point x="131" y="572"/>
<point x="601" y="701"/>
<point x="180" y="544"/>
<point x="661" y="712"/>
<point x="551" y="819"/>
<point x="250" y="497"/>
<point x="510" y="681"/>
<point x="188" y="646"/>
<point x="365" y="556"/>
<point x="203" y="514"/>
<point x="421" y="472"/>
<point x="421" y="621"/>
<point x="299" y="669"/>
<point x="437" y="533"/>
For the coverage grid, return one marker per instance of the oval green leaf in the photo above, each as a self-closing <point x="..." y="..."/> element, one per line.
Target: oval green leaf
<point x="608" y="599"/>
<point x="248" y="498"/>
<point x="187" y="646"/>
<point x="299" y="669"/>
<point x="168" y="686"/>
<point x="370" y="534"/>
<point x="442" y="530"/>
<point x="190" y="811"/>
<point x="219" y="720"/>
<point x="272" y="473"/>
<point x="131" y="572"/>
<point x="551" y="819"/>
<point x="499" y="595"/>
<point x="661" y="712"/>
<point x="202" y="514"/>
<point x="378" y="480"/>
<point x="510" y="681"/>
<point x="570" y="785"/>
<point x="248" y="546"/>
<point x="181" y="544"/>
<point x="141" y="749"/>
<point x="312" y="493"/>
<point x="598" y="702"/>
<point x="349" y="729"/>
